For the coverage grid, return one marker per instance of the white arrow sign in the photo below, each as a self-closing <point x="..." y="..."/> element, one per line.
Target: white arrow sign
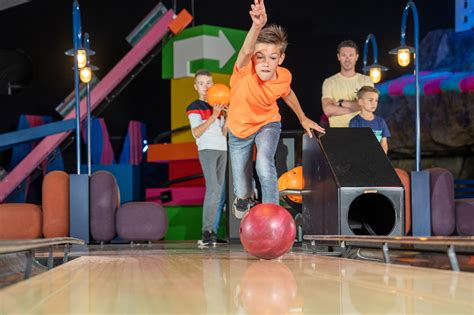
<point x="200" y="47"/>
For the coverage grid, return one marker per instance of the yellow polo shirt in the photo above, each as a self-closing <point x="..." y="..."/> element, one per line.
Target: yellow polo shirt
<point x="339" y="87"/>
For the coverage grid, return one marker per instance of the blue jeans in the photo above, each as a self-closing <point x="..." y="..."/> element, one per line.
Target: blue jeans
<point x="241" y="153"/>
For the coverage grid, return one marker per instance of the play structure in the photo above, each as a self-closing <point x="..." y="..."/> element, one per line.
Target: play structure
<point x="183" y="193"/>
<point x="119" y="72"/>
<point x="144" y="39"/>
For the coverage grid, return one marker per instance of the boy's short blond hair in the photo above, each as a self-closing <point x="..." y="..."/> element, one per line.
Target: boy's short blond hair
<point x="203" y="72"/>
<point x="366" y="89"/>
<point x="273" y="34"/>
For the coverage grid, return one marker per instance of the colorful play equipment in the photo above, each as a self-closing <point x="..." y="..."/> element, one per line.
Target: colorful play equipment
<point x="101" y="148"/>
<point x="146" y="38"/>
<point x="189" y="52"/>
<point x="167" y="23"/>
<point x="127" y="171"/>
<point x="135" y="143"/>
<point x="30" y="127"/>
<point x="182" y="200"/>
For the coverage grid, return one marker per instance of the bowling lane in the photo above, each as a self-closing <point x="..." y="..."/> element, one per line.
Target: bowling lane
<point x="226" y="280"/>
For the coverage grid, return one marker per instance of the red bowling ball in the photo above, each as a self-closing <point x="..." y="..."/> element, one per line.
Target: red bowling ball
<point x="267" y="231"/>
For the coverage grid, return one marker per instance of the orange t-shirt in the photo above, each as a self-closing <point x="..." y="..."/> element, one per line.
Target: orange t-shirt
<point x="253" y="101"/>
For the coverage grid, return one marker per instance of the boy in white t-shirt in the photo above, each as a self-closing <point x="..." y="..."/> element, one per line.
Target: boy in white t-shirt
<point x="210" y="131"/>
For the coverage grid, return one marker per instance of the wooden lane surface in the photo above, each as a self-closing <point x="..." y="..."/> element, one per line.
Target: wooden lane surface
<point x="223" y="281"/>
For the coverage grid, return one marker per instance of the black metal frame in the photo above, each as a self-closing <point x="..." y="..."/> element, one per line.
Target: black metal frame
<point x="30" y="246"/>
<point x="348" y="245"/>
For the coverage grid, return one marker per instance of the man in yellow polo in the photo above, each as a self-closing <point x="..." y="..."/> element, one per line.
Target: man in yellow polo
<point x="339" y="99"/>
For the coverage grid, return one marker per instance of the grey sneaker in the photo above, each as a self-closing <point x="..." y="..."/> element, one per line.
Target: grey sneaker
<point x="241" y="206"/>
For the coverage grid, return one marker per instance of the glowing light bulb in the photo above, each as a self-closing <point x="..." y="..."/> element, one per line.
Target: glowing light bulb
<point x="404" y="57"/>
<point x="375" y="74"/>
<point x="81" y="58"/>
<point x="85" y="74"/>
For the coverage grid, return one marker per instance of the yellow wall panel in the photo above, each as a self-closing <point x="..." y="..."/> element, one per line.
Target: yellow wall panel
<point x="182" y="94"/>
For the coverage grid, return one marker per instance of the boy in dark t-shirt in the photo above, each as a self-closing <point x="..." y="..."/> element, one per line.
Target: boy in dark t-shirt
<point x="368" y="98"/>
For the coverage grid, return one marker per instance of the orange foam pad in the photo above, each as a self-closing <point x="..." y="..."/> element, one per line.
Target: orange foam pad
<point x="172" y="152"/>
<point x="20" y="221"/>
<point x="180" y="22"/>
<point x="405" y="179"/>
<point x="56" y="204"/>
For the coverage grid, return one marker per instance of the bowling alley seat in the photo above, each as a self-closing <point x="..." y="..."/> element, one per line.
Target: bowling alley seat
<point x="443" y="216"/>
<point x="448" y="215"/>
<point x="133" y="221"/>
<point x="29" y="221"/>
<point x="464" y="216"/>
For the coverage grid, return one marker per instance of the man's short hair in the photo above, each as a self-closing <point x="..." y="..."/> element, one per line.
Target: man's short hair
<point x="203" y="72"/>
<point x="366" y="89"/>
<point x="348" y="43"/>
<point x="273" y="34"/>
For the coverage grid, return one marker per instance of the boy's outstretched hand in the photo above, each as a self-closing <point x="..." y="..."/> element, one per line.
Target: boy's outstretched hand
<point x="308" y="124"/>
<point x="258" y="14"/>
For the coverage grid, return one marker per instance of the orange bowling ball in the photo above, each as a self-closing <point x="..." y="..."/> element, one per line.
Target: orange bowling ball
<point x="218" y="94"/>
<point x="293" y="179"/>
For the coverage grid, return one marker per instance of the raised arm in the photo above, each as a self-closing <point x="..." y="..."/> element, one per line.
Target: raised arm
<point x="259" y="19"/>
<point x="292" y="101"/>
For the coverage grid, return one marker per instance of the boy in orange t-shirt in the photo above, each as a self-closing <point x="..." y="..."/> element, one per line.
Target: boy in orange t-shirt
<point x="256" y="84"/>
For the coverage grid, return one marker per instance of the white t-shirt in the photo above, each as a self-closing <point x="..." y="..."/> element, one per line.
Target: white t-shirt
<point x="212" y="139"/>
